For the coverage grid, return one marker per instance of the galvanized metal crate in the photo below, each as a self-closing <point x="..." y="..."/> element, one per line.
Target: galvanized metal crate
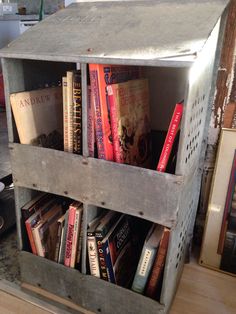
<point x="178" y="44"/>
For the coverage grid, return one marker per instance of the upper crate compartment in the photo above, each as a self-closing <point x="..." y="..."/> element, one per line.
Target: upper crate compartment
<point x="103" y="32"/>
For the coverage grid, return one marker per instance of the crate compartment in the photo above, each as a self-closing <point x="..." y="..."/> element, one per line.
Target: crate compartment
<point x="98" y="182"/>
<point x="84" y="290"/>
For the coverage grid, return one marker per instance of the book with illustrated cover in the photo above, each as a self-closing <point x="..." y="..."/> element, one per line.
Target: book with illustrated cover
<point x="100" y="76"/>
<point x="130" y="122"/>
<point x="158" y="266"/>
<point x="117" y="237"/>
<point x="102" y="229"/>
<point x="45" y="232"/>
<point x="77" y="113"/>
<point x="32" y="221"/>
<point x="147" y="258"/>
<point x="46" y="104"/>
<point x="170" y="137"/>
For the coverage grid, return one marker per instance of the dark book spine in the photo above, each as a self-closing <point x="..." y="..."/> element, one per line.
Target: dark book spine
<point x="101" y="257"/>
<point x="77" y="114"/>
<point x="108" y="261"/>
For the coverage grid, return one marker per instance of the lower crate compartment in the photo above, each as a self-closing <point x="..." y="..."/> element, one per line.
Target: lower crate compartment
<point x="84" y="290"/>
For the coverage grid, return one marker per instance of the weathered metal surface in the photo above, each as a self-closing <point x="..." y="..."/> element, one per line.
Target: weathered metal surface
<point x="104" y="32"/>
<point x="89" y="292"/>
<point x="137" y="191"/>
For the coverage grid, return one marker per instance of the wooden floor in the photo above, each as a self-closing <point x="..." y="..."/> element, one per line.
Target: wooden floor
<point x="201" y="291"/>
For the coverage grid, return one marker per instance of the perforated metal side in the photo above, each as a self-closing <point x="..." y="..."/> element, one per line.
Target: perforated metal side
<point x="196" y="106"/>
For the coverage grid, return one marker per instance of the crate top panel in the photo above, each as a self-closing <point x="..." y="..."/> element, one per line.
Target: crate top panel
<point x="130" y="32"/>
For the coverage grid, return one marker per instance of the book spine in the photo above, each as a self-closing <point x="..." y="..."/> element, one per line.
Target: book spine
<point x="102" y="124"/>
<point x="77" y="226"/>
<point x="143" y="270"/>
<point x="170" y="137"/>
<point x="93" y="255"/>
<point x="80" y="239"/>
<point x="38" y="243"/>
<point x="108" y="261"/>
<point x="70" y="110"/>
<point x="59" y="232"/>
<point x="31" y="238"/>
<point x="77" y="114"/>
<point x="61" y="257"/>
<point x="91" y="126"/>
<point x="65" y="113"/>
<point x="118" y="156"/>
<point x="102" y="260"/>
<point x="158" y="265"/>
<point x="69" y="236"/>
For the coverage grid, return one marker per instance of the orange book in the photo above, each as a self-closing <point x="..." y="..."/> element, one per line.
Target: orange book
<point x="102" y="75"/>
<point x="130" y="120"/>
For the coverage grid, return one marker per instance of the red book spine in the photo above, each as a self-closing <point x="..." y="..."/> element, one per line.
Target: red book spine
<point x="31" y="239"/>
<point x="69" y="235"/>
<point x="158" y="265"/>
<point x="170" y="137"/>
<point x="90" y="123"/>
<point x="114" y="125"/>
<point x="102" y="123"/>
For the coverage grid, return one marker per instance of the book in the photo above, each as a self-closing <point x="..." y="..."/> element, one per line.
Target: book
<point x="60" y="228"/>
<point x="170" y="137"/>
<point x="77" y="113"/>
<point x="102" y="75"/>
<point x="147" y="258"/>
<point x="102" y="229"/>
<point x="92" y="248"/>
<point x="130" y="122"/>
<point x="70" y="107"/>
<point x="113" y="243"/>
<point x="46" y="105"/>
<point x="61" y="256"/>
<point x="45" y="232"/>
<point x="76" y="236"/>
<point x="65" y="113"/>
<point x="228" y="205"/>
<point x="70" y="231"/>
<point x="91" y="125"/>
<point x="33" y="205"/>
<point x="158" y="266"/>
<point x="31" y="222"/>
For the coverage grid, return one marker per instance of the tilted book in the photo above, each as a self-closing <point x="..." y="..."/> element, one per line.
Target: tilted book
<point x="60" y="227"/>
<point x="102" y="229"/>
<point x="158" y="266"/>
<point x="39" y="116"/>
<point x="147" y="258"/>
<point x="76" y="235"/>
<point x="100" y="76"/>
<point x="77" y="113"/>
<point x="130" y="122"/>
<point x="170" y="137"/>
<point x="62" y="251"/>
<point x="33" y="205"/>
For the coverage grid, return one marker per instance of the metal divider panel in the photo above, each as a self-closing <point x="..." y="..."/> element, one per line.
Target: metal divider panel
<point x="120" y="32"/>
<point x="196" y="106"/>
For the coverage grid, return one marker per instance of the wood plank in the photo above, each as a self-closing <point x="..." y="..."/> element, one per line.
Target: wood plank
<point x="137" y="191"/>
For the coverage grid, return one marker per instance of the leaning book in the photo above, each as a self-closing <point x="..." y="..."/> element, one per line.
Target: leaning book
<point x="38" y="116"/>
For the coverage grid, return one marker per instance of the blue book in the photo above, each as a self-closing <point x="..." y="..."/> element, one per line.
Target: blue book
<point x="147" y="258"/>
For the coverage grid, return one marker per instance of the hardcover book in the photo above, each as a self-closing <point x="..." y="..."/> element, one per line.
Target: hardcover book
<point x="158" y="266"/>
<point x="60" y="228"/>
<point x="76" y="236"/>
<point x="38" y="115"/>
<point x="33" y="205"/>
<point x="100" y="76"/>
<point x="65" y="113"/>
<point x="45" y="232"/>
<point x="70" y="109"/>
<point x="102" y="229"/>
<point x="147" y="258"/>
<point x="130" y="122"/>
<point x="61" y="256"/>
<point x="77" y="113"/>
<point x="91" y="124"/>
<point x="170" y="137"/>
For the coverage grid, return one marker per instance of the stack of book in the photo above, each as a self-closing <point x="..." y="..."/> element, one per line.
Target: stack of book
<point x="53" y="227"/>
<point x="116" y="253"/>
